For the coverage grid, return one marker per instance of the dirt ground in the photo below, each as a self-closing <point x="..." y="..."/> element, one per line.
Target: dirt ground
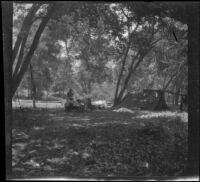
<point x="50" y="142"/>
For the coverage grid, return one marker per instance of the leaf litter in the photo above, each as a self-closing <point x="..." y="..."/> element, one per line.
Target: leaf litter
<point x="112" y="149"/>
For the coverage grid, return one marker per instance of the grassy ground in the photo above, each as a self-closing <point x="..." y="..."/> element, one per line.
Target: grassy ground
<point x="50" y="142"/>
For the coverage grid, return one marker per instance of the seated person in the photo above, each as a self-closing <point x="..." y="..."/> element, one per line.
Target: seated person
<point x="72" y="103"/>
<point x="88" y="103"/>
<point x="69" y="100"/>
<point x="79" y="101"/>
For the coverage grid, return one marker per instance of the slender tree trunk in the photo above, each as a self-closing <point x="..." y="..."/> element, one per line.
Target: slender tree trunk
<point x="20" y="58"/>
<point x="131" y="70"/>
<point x="26" y="26"/>
<point x="121" y="73"/>
<point x="27" y="59"/>
<point x="7" y="13"/>
<point x="172" y="77"/>
<point x="28" y="92"/>
<point x="161" y="105"/>
<point x="193" y="107"/>
<point x="177" y="96"/>
<point x="33" y="87"/>
<point x="63" y="88"/>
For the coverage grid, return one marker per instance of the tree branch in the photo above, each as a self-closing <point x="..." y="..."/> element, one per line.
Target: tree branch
<point x="172" y="77"/>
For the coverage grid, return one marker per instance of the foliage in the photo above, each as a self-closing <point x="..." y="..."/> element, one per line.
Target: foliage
<point x="81" y="51"/>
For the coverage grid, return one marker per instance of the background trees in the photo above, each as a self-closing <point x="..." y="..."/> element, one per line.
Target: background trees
<point x="20" y="64"/>
<point x="80" y="50"/>
<point x="138" y="59"/>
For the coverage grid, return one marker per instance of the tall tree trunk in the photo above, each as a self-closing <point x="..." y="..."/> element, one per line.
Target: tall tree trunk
<point x="33" y="87"/>
<point x="193" y="107"/>
<point x="177" y="96"/>
<point x="174" y="75"/>
<point x="27" y="59"/>
<point x="63" y="88"/>
<point x="121" y="73"/>
<point x="7" y="13"/>
<point x="131" y="70"/>
<point x="26" y="26"/>
<point x="20" y="58"/>
<point x="28" y="92"/>
<point x="161" y="105"/>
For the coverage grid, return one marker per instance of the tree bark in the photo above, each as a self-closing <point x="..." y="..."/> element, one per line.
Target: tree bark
<point x="28" y="92"/>
<point x="26" y="26"/>
<point x="173" y="76"/>
<point x="20" y="58"/>
<point x="121" y="72"/>
<point x="161" y="105"/>
<point x="27" y="59"/>
<point x="177" y="96"/>
<point x="142" y="54"/>
<point x="33" y="87"/>
<point x="131" y="70"/>
<point x="7" y="13"/>
<point x="193" y="85"/>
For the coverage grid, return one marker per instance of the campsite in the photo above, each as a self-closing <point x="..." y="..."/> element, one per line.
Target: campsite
<point x="98" y="90"/>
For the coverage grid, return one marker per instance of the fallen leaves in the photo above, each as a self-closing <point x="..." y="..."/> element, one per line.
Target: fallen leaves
<point x="32" y="163"/>
<point x="108" y="148"/>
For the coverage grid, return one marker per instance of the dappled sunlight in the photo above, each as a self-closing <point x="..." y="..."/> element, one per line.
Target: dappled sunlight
<point x="90" y="142"/>
<point x="77" y="125"/>
<point x="57" y="118"/>
<point x="68" y="118"/>
<point x="39" y="104"/>
<point x="32" y="163"/>
<point x="164" y="114"/>
<point x="123" y="109"/>
<point x="106" y="123"/>
<point x="38" y="128"/>
<point x="19" y="135"/>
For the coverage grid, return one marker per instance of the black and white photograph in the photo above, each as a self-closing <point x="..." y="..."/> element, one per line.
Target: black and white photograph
<point x="101" y="90"/>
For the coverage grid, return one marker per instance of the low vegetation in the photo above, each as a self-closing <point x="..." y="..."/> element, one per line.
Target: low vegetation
<point x="99" y="143"/>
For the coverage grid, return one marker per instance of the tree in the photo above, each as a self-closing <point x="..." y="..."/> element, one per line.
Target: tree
<point x="87" y="48"/>
<point x="7" y="56"/>
<point x="141" y="40"/>
<point x="188" y="14"/>
<point x="23" y="61"/>
<point x="33" y="88"/>
<point x="193" y="57"/>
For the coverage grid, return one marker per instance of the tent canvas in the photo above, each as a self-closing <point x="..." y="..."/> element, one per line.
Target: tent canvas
<point x="147" y="100"/>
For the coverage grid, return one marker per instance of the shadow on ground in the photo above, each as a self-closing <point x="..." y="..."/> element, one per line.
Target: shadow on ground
<point x="99" y="143"/>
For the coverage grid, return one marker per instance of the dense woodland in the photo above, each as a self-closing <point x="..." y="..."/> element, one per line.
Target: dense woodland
<point x="103" y="51"/>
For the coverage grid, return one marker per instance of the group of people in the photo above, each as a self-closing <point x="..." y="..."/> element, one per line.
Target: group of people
<point x="76" y="104"/>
